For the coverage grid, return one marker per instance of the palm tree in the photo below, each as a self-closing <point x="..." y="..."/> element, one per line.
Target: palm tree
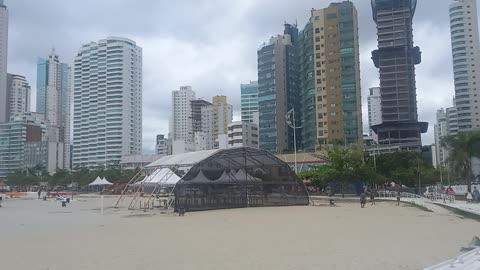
<point x="461" y="148"/>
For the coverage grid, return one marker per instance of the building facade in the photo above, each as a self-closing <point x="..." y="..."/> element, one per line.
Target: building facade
<point x="197" y="105"/>
<point x="54" y="95"/>
<point x="242" y="133"/>
<point x="107" y="121"/>
<point x="18" y="92"/>
<point x="396" y="58"/>
<point x="278" y="86"/>
<point x="374" y="110"/>
<point x="249" y="101"/>
<point x="215" y="120"/>
<point x="162" y="146"/>
<point x="466" y="57"/>
<point x="440" y="131"/>
<point x="330" y="77"/>
<point x="3" y="62"/>
<point x="181" y="125"/>
<point x="17" y="136"/>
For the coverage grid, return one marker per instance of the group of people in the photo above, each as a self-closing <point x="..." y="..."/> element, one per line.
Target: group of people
<point x="473" y="196"/>
<point x="373" y="193"/>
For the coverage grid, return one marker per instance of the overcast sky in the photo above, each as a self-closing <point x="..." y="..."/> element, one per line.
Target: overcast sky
<point x="211" y="45"/>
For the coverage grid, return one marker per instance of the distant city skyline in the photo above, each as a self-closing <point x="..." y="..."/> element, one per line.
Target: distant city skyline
<point x="434" y="77"/>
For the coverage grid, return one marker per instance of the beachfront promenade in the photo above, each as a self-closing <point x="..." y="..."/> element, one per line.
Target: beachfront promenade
<point x="466" y="261"/>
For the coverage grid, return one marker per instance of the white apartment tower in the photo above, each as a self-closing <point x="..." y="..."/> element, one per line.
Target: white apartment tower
<point x="107" y="121"/>
<point x="466" y="62"/>
<point x="374" y="110"/>
<point x="441" y="131"/>
<point x="243" y="133"/>
<point x="181" y="126"/>
<point x="4" y="102"/>
<point x="18" y="93"/>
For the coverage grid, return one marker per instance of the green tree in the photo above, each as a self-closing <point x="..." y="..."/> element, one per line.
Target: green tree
<point x="461" y="148"/>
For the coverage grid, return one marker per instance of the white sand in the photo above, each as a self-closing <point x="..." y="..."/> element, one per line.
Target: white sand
<point x="42" y="235"/>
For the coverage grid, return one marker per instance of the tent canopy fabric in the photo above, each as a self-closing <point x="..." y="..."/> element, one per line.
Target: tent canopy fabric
<point x="163" y="177"/>
<point x="190" y="158"/>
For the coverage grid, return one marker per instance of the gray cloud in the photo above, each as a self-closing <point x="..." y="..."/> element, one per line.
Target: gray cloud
<point x="211" y="45"/>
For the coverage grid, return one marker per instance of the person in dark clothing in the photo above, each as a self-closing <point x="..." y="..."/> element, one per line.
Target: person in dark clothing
<point x="363" y="199"/>
<point x="39" y="193"/>
<point x="372" y="196"/>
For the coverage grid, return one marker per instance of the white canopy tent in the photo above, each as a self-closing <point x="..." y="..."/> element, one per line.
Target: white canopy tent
<point x="100" y="182"/>
<point x="163" y="177"/>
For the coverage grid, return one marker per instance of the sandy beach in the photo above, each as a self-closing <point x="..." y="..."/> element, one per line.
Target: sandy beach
<point x="41" y="235"/>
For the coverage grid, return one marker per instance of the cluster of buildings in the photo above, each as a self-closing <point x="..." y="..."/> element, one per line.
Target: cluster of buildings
<point x="307" y="95"/>
<point x="464" y="114"/>
<point x="103" y="90"/>
<point x="197" y="124"/>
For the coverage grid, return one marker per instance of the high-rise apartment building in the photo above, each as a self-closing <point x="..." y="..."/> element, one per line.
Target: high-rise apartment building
<point x="54" y="94"/>
<point x="162" y="145"/>
<point x="466" y="62"/>
<point x="249" y="101"/>
<point x="107" y="121"/>
<point x="21" y="143"/>
<point x="4" y="102"/>
<point x="223" y="114"/>
<point x="242" y="133"/>
<point x="374" y="110"/>
<point x="440" y="131"/>
<point x="18" y="93"/>
<point x="197" y="105"/>
<point x="446" y="125"/>
<point x="181" y="123"/>
<point x="215" y="120"/>
<point x="330" y="77"/>
<point x="396" y="58"/>
<point x="278" y="88"/>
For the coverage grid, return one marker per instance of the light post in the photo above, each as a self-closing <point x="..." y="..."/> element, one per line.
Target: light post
<point x="290" y="118"/>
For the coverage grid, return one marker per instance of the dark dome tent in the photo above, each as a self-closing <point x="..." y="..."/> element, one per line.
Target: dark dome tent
<point x="232" y="178"/>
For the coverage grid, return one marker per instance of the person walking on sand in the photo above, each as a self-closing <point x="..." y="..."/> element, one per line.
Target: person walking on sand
<point x="39" y="193"/>
<point x="363" y="199"/>
<point x="372" y="196"/>
<point x="398" y="197"/>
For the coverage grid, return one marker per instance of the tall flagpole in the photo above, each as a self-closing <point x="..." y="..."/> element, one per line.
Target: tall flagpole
<point x="291" y="123"/>
<point x="295" y="140"/>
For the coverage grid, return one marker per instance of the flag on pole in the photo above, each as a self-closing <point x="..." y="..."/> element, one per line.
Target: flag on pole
<point x="289" y="118"/>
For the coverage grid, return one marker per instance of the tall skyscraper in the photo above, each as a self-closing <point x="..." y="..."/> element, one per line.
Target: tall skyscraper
<point x="223" y="114"/>
<point x="197" y="105"/>
<point x="440" y="131"/>
<point x="374" y="110"/>
<point x="249" y="101"/>
<point x="277" y="89"/>
<point x="107" y="121"/>
<point x="396" y="58"/>
<point x="181" y="125"/>
<point x="4" y="102"/>
<point x="18" y="94"/>
<point x="54" y="94"/>
<point x="466" y="62"/>
<point x="215" y="120"/>
<point x="330" y="77"/>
